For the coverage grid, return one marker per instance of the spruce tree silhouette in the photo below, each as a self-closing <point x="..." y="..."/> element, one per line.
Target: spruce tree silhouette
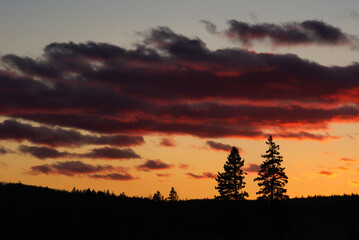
<point x="271" y="176"/>
<point x="158" y="196"/>
<point x="173" y="196"/>
<point x="231" y="181"/>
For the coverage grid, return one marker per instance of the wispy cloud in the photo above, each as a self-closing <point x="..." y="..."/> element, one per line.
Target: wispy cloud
<point x="168" y="142"/>
<point x="79" y="168"/>
<point x="202" y="176"/>
<point x="42" y="152"/>
<point x="153" y="165"/>
<point x="124" y="176"/>
<point x="164" y="175"/>
<point x="219" y="146"/>
<point x="345" y="159"/>
<point x="111" y="153"/>
<point x="96" y="153"/>
<point x="184" y="166"/>
<point x="353" y="182"/>
<point x="3" y="150"/>
<point x="252" y="168"/>
<point x="17" y="131"/>
<point x="326" y="173"/>
<point x="309" y="32"/>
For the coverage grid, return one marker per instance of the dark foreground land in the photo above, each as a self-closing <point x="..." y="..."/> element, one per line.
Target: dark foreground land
<point x="29" y="212"/>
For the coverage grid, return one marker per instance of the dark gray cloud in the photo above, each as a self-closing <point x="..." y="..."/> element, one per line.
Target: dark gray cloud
<point x="97" y="153"/>
<point x="219" y="146"/>
<point x="79" y="168"/>
<point x="42" y="152"/>
<point x="175" y="44"/>
<point x="15" y="130"/>
<point x="3" y="150"/>
<point x="211" y="27"/>
<point x="153" y="165"/>
<point x="69" y="168"/>
<point x="310" y="32"/>
<point x="30" y="66"/>
<point x="111" y="153"/>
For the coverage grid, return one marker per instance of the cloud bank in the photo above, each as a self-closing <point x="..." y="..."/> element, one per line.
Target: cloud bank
<point x="92" y="93"/>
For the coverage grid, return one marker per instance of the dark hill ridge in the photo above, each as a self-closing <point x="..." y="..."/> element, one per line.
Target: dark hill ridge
<point x="44" y="213"/>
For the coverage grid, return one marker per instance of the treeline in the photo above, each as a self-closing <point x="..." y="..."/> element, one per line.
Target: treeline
<point x="40" y="212"/>
<point x="157" y="196"/>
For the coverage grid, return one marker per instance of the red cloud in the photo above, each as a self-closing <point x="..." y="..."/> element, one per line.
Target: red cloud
<point x="341" y="168"/>
<point x="326" y="173"/>
<point x="347" y="159"/>
<point x="353" y="182"/>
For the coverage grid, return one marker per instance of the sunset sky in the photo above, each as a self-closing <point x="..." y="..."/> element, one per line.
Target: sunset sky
<point x="137" y="96"/>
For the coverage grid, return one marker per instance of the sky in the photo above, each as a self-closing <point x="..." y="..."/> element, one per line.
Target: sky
<point x="139" y="96"/>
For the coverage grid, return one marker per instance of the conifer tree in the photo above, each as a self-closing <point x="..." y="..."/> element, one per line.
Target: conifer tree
<point x="231" y="181"/>
<point x="158" y="196"/>
<point x="173" y="196"/>
<point x="271" y="176"/>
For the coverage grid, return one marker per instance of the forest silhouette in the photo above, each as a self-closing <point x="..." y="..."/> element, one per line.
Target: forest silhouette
<point x="41" y="212"/>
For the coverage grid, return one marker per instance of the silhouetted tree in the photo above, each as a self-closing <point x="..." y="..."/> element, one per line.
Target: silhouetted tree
<point x="157" y="196"/>
<point x="122" y="195"/>
<point x="271" y="176"/>
<point x="173" y="196"/>
<point x="231" y="181"/>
